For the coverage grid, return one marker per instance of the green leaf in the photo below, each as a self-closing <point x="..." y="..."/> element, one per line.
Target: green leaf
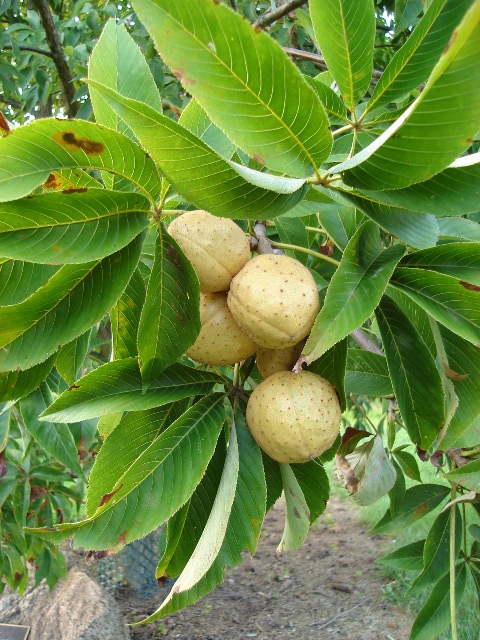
<point x="18" y="280"/>
<point x="62" y="228"/>
<point x="414" y="375"/>
<point x="467" y="476"/>
<point x="31" y="153"/>
<point x="117" y="62"/>
<point x="437" y="128"/>
<point x="436" y="553"/>
<point x="117" y="386"/>
<point x="408" y="463"/>
<point x="412" y="63"/>
<point x="243" y="80"/>
<point x="434" y="616"/>
<point x="378" y="474"/>
<point x="419" y="500"/>
<point x="446" y="299"/>
<point x="32" y="330"/>
<point x="419" y="230"/>
<point x="197" y="122"/>
<point x="164" y="474"/>
<point x="297" y="514"/>
<point x="417" y="316"/>
<point x="464" y="363"/>
<point x="405" y="13"/>
<point x="397" y="492"/>
<point x="345" y="33"/>
<point x="292" y="231"/>
<point x="355" y="289"/>
<point x="199" y="174"/>
<point x="475" y="572"/>
<point x="367" y="374"/>
<point x="332" y="102"/>
<point x="56" y="439"/>
<point x="125" y="318"/>
<point x="340" y="222"/>
<point x="408" y="558"/>
<point x="71" y="357"/>
<point x="16" y="384"/>
<point x="452" y="192"/>
<point x="331" y="365"/>
<point x="313" y="481"/>
<point x="460" y="260"/>
<point x="170" y="320"/>
<point x="459" y="228"/>
<point x="273" y="478"/>
<point x="243" y="528"/>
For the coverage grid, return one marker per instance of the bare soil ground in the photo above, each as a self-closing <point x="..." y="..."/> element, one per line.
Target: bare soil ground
<point x="328" y="589"/>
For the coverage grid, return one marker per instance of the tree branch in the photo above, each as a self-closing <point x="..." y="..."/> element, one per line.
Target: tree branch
<point x="319" y="60"/>
<point x="58" y="56"/>
<point x="269" y="17"/>
<point x="364" y="341"/>
<point x="11" y="103"/>
<point x="22" y="47"/>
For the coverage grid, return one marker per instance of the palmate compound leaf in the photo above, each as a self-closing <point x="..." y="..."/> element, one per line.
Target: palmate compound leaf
<point x="244" y="521"/>
<point x="345" y="33"/>
<point x="65" y="227"/>
<point x="158" y="457"/>
<point x="32" y="330"/>
<point x="414" y="375"/>
<point x="198" y="173"/>
<point x="30" y="154"/>
<point x="413" y="62"/>
<point x="407" y="558"/>
<point x="367" y="374"/>
<point x="243" y="80"/>
<point x="170" y="320"/>
<point x="355" y="289"/>
<point x="438" y="127"/>
<point x="118" y="386"/>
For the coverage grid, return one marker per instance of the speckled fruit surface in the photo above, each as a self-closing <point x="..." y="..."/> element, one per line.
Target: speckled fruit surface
<point x="220" y="341"/>
<point x="275" y="299"/>
<point x="294" y="417"/>
<point x="216" y="247"/>
<point x="270" y="361"/>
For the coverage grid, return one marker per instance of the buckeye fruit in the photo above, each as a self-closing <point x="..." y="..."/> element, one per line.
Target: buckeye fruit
<point x="220" y="341"/>
<point x="216" y="247"/>
<point x="294" y="417"/>
<point x="270" y="361"/>
<point x="274" y="298"/>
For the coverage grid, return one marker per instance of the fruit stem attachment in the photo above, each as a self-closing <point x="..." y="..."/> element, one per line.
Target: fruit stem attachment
<point x="310" y="252"/>
<point x="236" y="374"/>
<point x="453" y="604"/>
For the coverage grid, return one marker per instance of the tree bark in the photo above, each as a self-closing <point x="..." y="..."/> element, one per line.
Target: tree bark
<point x="58" y="56"/>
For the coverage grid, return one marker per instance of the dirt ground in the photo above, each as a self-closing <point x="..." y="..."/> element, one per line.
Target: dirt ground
<point x="328" y="589"/>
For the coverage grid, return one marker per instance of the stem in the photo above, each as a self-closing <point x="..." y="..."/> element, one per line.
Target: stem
<point x="236" y="374"/>
<point x="363" y="413"/>
<point x="270" y="17"/>
<point x="453" y="604"/>
<point x="319" y="60"/>
<point x="22" y="47"/>
<point x="337" y="132"/>
<point x="364" y="341"/>
<point x="464" y="515"/>
<point x="316" y="230"/>
<point x="294" y="247"/>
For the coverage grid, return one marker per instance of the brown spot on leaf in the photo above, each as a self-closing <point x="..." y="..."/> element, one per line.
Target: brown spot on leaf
<point x="173" y="257"/>
<point x="3" y="465"/>
<point x="162" y="581"/>
<point x="18" y="576"/>
<point x="122" y="538"/>
<point x="74" y="190"/>
<point x="296" y="513"/>
<point x="259" y="159"/>
<point x="108" y="496"/>
<point x="73" y="386"/>
<point x="450" y="42"/>
<point x="420" y="511"/>
<point x="453" y="375"/>
<point x="97" y="555"/>
<point x="469" y="286"/>
<point x="53" y="181"/>
<point x="70" y="141"/>
<point x="36" y="492"/>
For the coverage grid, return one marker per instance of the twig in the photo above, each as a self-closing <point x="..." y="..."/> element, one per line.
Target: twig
<point x="339" y="615"/>
<point x="11" y="103"/>
<point x="270" y="17"/>
<point x="319" y="60"/>
<point x="8" y="47"/>
<point x="310" y="252"/>
<point x="364" y="341"/>
<point x="58" y="56"/>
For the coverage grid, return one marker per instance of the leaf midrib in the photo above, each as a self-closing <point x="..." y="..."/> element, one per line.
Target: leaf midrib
<point x="110" y="214"/>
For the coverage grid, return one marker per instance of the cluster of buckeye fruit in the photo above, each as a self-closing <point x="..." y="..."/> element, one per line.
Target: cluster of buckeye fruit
<point x="264" y="305"/>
